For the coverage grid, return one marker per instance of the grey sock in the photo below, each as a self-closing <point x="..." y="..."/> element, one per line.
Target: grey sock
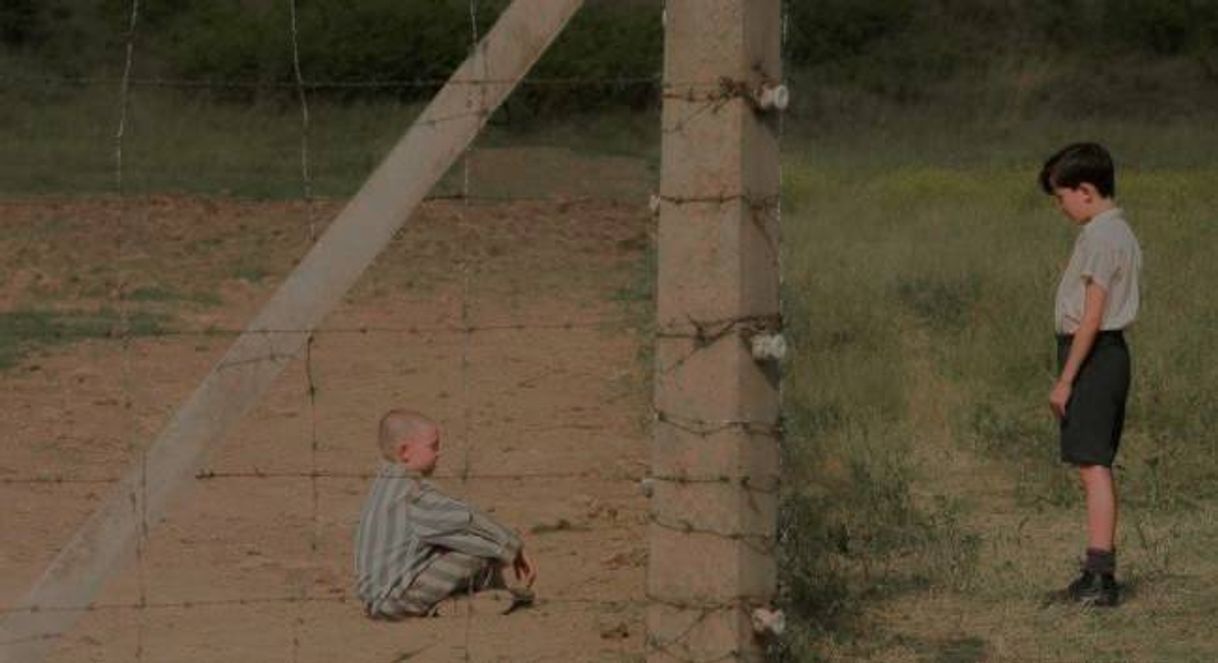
<point x="1100" y="561"/>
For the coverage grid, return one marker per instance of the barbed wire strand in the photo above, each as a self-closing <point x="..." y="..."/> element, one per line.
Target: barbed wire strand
<point x="314" y="445"/>
<point x="763" y="485"/>
<point x="306" y="182"/>
<point x="442" y="197"/>
<point x="348" y="84"/>
<point x="669" y="647"/>
<point x="124" y="88"/>
<point x="443" y="329"/>
<point x="248" y="601"/>
<point x="656" y="210"/>
<point x="138" y="501"/>
<point x="301" y="94"/>
<point x="720" y="92"/>
<point x="463" y="223"/>
<point x="702" y="333"/>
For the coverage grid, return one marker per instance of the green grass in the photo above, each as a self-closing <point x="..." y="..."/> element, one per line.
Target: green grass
<point x="187" y="142"/>
<point x="28" y="330"/>
<point x="163" y="294"/>
<point x="928" y="511"/>
<point x="60" y="140"/>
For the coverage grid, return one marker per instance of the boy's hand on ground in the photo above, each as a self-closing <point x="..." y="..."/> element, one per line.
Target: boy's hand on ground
<point x="1059" y="397"/>
<point x="524" y="568"/>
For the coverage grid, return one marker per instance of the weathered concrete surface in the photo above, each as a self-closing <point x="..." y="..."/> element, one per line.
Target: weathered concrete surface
<point x="714" y="453"/>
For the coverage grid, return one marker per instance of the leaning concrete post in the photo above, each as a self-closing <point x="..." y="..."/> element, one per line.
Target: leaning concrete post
<point x="714" y="454"/>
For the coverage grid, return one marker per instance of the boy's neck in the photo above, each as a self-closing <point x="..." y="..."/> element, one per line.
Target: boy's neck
<point x="1102" y="206"/>
<point x="402" y="469"/>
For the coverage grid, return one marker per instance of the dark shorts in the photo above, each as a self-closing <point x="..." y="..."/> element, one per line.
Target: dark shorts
<point x="1095" y="414"/>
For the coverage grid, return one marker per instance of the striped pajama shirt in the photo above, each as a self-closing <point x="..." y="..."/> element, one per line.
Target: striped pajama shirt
<point x="415" y="546"/>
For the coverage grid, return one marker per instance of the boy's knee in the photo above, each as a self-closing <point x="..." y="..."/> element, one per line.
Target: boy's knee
<point x="1094" y="471"/>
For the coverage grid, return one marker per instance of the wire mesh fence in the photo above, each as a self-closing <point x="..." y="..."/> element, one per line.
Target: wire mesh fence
<point x="515" y="307"/>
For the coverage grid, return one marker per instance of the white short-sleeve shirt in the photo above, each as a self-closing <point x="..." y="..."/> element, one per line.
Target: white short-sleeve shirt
<point x="1106" y="253"/>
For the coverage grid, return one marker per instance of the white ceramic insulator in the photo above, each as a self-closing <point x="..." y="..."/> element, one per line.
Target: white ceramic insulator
<point x="774" y="97"/>
<point x="654" y="203"/>
<point x="768" y="622"/>
<point x="769" y="347"/>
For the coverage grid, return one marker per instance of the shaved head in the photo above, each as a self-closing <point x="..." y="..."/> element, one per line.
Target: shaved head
<point x="398" y="425"/>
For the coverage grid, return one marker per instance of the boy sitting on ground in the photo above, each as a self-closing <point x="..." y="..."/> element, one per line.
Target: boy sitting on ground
<point x="416" y="546"/>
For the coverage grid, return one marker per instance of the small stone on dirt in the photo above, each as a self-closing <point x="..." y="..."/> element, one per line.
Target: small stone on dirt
<point x="551" y="525"/>
<point x="619" y="632"/>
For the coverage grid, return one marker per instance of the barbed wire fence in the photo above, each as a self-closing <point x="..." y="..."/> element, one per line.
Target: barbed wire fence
<point x="710" y="96"/>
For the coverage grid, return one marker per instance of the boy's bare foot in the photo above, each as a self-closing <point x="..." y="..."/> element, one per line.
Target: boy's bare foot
<point x="521" y="597"/>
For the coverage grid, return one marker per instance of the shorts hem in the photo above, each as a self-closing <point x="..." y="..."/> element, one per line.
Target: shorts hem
<point x="1083" y="462"/>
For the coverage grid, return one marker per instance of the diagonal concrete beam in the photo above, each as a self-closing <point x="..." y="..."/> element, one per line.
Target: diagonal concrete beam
<point x="365" y="226"/>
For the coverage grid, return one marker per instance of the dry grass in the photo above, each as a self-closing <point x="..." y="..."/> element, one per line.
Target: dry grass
<point x="929" y="515"/>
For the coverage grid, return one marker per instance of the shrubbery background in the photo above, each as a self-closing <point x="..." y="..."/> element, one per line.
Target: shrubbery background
<point x="898" y="51"/>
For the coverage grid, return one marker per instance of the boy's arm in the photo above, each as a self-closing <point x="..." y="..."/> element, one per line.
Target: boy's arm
<point x="443" y="521"/>
<point x="1084" y="338"/>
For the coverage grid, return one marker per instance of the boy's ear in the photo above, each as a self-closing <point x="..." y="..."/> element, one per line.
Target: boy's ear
<point x="402" y="449"/>
<point x="1089" y="190"/>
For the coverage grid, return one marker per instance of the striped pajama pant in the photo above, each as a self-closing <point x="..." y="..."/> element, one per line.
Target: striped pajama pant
<point x="447" y="574"/>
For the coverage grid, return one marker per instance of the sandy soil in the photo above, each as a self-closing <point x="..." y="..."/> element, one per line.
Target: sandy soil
<point x="549" y="422"/>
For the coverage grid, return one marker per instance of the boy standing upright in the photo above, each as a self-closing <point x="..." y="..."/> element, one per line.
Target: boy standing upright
<point x="1096" y="300"/>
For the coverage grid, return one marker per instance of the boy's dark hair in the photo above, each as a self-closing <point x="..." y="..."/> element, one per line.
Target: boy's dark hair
<point x="1078" y="163"/>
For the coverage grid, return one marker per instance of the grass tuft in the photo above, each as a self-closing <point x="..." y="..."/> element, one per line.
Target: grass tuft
<point x="24" y="331"/>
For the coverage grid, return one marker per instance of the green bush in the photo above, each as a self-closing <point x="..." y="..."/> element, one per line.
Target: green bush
<point x="63" y="37"/>
<point x="822" y="31"/>
<point x="411" y="46"/>
<point x="1068" y="56"/>
<point x="1165" y="27"/>
<point x="21" y="23"/>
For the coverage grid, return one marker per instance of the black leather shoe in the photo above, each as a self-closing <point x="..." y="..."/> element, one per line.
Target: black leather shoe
<point x="1095" y="589"/>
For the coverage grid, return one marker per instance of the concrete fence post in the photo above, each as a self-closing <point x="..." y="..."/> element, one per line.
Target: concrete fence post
<point x="715" y="449"/>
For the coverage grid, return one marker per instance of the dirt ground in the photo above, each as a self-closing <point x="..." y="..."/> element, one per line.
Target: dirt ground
<point x="545" y="420"/>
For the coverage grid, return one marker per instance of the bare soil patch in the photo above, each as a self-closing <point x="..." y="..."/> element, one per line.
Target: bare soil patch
<point x="544" y="407"/>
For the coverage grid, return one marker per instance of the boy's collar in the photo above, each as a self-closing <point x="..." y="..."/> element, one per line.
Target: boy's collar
<point x="1104" y="217"/>
<point x="398" y="471"/>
